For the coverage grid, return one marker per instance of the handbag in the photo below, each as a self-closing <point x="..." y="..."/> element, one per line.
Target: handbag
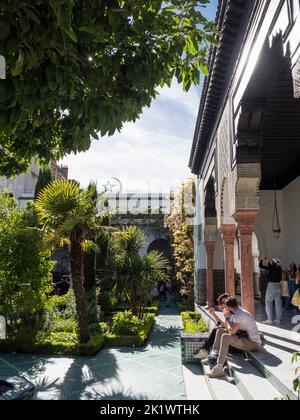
<point x="296" y="299"/>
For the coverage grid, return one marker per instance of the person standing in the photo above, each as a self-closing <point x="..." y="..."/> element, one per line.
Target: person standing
<point x="292" y="273"/>
<point x="273" y="290"/>
<point x="285" y="294"/>
<point x="169" y="293"/>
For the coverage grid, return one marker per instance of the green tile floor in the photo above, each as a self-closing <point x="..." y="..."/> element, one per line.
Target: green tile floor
<point x="153" y="372"/>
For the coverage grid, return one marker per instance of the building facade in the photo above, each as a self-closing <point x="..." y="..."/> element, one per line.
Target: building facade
<point x="246" y="148"/>
<point x="146" y="211"/>
<point x="22" y="187"/>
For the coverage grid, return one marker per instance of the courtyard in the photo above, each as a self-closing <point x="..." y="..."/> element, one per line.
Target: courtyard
<point x="150" y="373"/>
<point x="149" y="200"/>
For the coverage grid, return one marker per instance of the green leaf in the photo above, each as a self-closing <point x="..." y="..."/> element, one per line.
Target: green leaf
<point x="204" y="69"/>
<point x="71" y="34"/>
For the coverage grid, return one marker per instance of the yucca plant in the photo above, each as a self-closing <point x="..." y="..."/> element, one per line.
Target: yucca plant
<point x="70" y="217"/>
<point x="135" y="274"/>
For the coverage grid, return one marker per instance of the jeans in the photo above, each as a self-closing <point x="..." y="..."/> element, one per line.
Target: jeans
<point x="224" y="340"/>
<point x="274" y="294"/>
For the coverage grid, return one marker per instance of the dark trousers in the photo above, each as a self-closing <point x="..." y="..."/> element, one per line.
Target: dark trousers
<point x="210" y="341"/>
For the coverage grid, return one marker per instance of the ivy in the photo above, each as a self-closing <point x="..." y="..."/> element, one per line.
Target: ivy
<point x="79" y="69"/>
<point x="180" y="224"/>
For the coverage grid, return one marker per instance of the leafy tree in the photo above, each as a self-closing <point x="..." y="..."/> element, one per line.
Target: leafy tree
<point x="79" y="68"/>
<point x="44" y="179"/>
<point x="25" y="266"/>
<point x="180" y="223"/>
<point x="71" y="218"/>
<point x="134" y="274"/>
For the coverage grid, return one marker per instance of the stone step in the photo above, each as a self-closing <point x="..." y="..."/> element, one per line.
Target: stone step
<point x="251" y="383"/>
<point x="276" y="362"/>
<point x="277" y="368"/>
<point x="195" y="383"/>
<point x="222" y="389"/>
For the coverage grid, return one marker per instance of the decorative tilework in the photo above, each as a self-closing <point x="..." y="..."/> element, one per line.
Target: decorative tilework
<point x="190" y="345"/>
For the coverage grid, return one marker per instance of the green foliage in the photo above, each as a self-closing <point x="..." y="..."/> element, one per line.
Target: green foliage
<point x="61" y="344"/>
<point x="193" y="322"/>
<point x="183" y="307"/>
<point x="130" y="331"/>
<point x="25" y="268"/>
<point x="70" y="217"/>
<point x="78" y="68"/>
<point x="124" y="323"/>
<point x="180" y="223"/>
<point x="133" y="274"/>
<point x="296" y="383"/>
<point x="44" y="179"/>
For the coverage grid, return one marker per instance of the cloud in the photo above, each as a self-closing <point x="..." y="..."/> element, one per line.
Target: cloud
<point x="149" y="156"/>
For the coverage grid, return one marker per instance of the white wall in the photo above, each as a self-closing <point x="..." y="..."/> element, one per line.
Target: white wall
<point x="291" y="223"/>
<point x="287" y="247"/>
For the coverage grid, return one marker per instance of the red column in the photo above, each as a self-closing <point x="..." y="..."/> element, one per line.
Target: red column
<point x="229" y="234"/>
<point x="210" y="248"/>
<point x="245" y="220"/>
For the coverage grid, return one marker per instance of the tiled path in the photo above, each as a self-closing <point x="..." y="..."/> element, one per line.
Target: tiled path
<point x="153" y="372"/>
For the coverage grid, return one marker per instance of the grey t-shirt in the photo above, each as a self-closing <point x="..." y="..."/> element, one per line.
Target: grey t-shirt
<point x="247" y="323"/>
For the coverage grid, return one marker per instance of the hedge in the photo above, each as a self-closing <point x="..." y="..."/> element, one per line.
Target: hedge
<point x="115" y="340"/>
<point x="184" y="307"/>
<point x="193" y="323"/>
<point x="51" y="347"/>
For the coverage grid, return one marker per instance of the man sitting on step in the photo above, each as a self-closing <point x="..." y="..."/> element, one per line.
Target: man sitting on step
<point x="238" y="321"/>
<point x="204" y="352"/>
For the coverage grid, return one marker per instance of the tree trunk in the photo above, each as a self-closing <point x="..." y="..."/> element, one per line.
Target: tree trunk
<point x="89" y="284"/>
<point x="76" y="263"/>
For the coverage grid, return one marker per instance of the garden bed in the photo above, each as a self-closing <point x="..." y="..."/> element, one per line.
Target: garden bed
<point x="131" y="340"/>
<point x="194" y="335"/>
<point x="184" y="307"/>
<point x="61" y="346"/>
<point x="193" y="323"/>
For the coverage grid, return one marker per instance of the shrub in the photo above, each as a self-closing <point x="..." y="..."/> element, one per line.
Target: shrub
<point x="25" y="268"/>
<point x="136" y="337"/>
<point x="124" y="323"/>
<point x="193" y="322"/>
<point x="62" y="344"/>
<point x="184" y="307"/>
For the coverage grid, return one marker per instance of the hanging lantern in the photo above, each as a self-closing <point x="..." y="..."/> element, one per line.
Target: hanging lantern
<point x="276" y="223"/>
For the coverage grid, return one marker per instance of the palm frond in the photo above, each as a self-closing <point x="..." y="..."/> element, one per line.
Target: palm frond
<point x="55" y="202"/>
<point x="88" y="246"/>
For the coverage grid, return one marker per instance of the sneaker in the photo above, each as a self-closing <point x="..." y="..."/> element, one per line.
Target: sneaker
<point x="205" y="362"/>
<point x="277" y="322"/>
<point x="268" y="322"/>
<point x="201" y="355"/>
<point x="217" y="372"/>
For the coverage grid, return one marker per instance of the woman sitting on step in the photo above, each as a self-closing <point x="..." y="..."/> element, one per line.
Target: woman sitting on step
<point x="203" y="352"/>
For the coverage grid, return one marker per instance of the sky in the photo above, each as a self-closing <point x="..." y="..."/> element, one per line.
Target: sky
<point x="150" y="156"/>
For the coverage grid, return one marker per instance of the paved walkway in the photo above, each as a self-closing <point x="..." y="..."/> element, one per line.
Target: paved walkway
<point x="152" y="372"/>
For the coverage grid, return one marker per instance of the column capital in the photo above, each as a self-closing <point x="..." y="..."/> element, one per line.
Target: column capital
<point x="228" y="233"/>
<point x="245" y="220"/>
<point x="210" y="247"/>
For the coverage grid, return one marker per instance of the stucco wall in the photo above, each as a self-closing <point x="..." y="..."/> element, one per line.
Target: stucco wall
<point x="287" y="247"/>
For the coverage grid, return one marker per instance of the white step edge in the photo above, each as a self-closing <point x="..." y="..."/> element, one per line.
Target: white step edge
<point x="195" y="383"/>
<point x="252" y="384"/>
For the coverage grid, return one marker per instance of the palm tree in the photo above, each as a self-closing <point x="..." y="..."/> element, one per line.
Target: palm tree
<point x="135" y="274"/>
<point x="70" y="217"/>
